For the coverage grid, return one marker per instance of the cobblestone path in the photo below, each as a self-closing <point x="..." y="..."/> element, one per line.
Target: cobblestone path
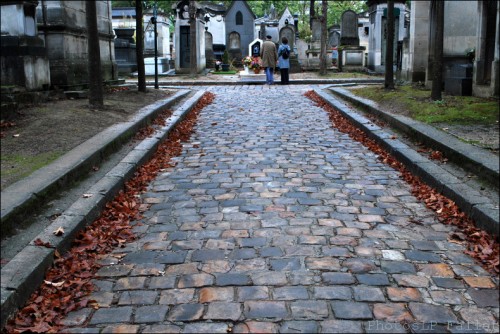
<point x="273" y="221"/>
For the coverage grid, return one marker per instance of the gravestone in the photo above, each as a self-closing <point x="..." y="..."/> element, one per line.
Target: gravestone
<point x="352" y="55"/>
<point x="209" y="52"/>
<point x="254" y="48"/>
<point x="333" y="39"/>
<point x="316" y="29"/>
<point x="349" y="34"/>
<point x="289" y="34"/>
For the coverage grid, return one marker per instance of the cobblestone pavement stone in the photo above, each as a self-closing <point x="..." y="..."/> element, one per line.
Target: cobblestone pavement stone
<point x="273" y="221"/>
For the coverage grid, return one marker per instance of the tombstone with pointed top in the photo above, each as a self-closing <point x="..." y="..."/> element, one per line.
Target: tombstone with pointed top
<point x="254" y="47"/>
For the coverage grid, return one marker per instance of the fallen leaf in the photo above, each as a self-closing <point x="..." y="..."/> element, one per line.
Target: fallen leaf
<point x="436" y="155"/>
<point x="87" y="195"/>
<point x="54" y="284"/>
<point x="59" y="231"/>
<point x="480" y="245"/>
<point x="78" y="265"/>
<point x="39" y="242"/>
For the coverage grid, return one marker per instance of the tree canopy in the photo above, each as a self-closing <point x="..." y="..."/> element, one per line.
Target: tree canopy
<point x="261" y="7"/>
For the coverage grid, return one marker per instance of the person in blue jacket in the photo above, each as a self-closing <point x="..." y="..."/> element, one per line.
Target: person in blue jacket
<point x="284" y="60"/>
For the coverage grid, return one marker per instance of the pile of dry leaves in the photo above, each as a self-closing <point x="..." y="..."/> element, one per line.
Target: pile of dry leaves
<point x="68" y="282"/>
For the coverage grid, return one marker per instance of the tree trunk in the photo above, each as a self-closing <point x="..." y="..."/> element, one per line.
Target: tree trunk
<point x="192" y="37"/>
<point x="139" y="47"/>
<point x="312" y="13"/>
<point x="437" y="66"/>
<point x="322" y="53"/>
<point x="96" y="100"/>
<point x="389" y="52"/>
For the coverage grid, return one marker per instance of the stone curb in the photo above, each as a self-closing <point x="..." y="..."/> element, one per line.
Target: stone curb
<point x="467" y="156"/>
<point x="262" y="82"/>
<point x="21" y="197"/>
<point x="25" y="272"/>
<point x="470" y="201"/>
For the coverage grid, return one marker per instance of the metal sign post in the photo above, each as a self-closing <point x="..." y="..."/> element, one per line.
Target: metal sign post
<point x="155" y="20"/>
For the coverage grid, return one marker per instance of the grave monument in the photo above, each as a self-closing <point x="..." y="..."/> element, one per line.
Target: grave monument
<point x="351" y="54"/>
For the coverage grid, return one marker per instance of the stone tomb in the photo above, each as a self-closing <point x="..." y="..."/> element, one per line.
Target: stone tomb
<point x="162" y="63"/>
<point x="351" y="56"/>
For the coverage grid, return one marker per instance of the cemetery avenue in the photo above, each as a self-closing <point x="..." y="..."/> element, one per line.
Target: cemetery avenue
<point x="165" y="169"/>
<point x="272" y="220"/>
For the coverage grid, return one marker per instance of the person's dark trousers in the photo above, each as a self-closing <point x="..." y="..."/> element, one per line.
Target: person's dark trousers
<point x="284" y="76"/>
<point x="269" y="76"/>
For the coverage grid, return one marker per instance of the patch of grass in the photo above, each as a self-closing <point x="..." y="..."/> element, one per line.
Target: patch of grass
<point x="451" y="109"/>
<point x="16" y="167"/>
<point x="224" y="72"/>
<point x="346" y="75"/>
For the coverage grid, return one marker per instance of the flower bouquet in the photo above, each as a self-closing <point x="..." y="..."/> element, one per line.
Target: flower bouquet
<point x="247" y="60"/>
<point x="255" y="64"/>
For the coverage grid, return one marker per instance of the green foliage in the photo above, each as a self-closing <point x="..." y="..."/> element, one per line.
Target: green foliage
<point x="225" y="72"/>
<point x="451" y="109"/>
<point x="164" y="7"/>
<point x="261" y="7"/>
<point x="305" y="33"/>
<point x="122" y="3"/>
<point x="302" y="8"/>
<point x="336" y="8"/>
<point x="225" y="57"/>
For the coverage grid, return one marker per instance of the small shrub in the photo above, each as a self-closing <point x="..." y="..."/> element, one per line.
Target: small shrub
<point x="225" y="57"/>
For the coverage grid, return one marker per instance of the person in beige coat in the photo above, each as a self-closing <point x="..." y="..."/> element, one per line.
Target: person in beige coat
<point x="269" y="56"/>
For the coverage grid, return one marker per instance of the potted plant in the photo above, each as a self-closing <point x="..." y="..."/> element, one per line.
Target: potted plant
<point x="225" y="61"/>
